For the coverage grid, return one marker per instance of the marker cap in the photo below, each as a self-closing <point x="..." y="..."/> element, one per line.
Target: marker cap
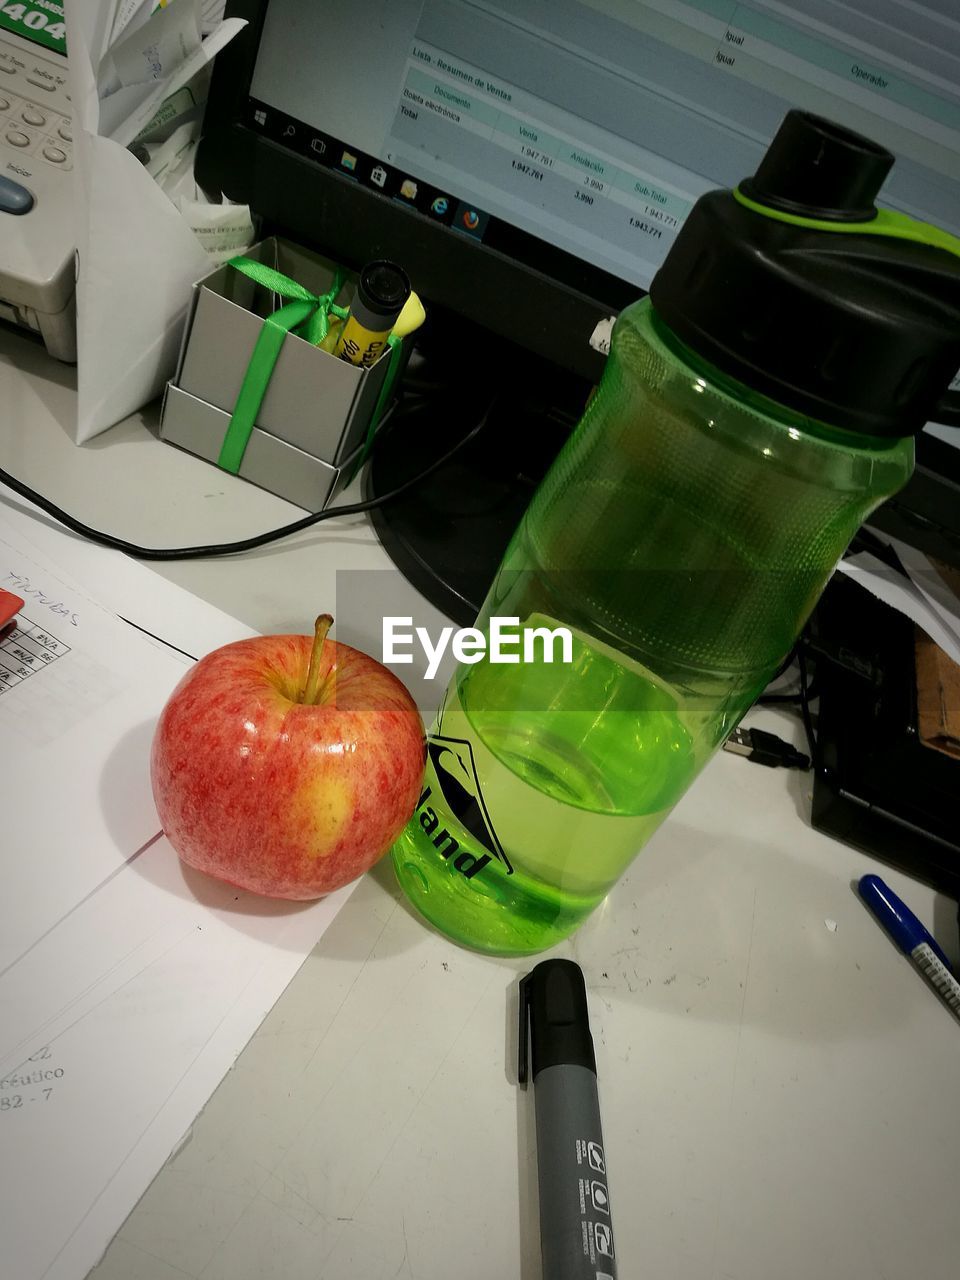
<point x="382" y="290"/>
<point x="553" y="1012"/>
<point x="897" y="918"/>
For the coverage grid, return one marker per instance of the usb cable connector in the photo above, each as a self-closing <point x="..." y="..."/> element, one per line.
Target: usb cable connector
<point x="765" y="748"/>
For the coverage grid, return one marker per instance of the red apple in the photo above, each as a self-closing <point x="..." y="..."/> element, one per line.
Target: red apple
<point x="287" y="765"/>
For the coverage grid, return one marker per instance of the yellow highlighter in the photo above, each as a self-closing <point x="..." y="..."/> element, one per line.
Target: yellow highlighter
<point x="382" y="291"/>
<point x="411" y="317"/>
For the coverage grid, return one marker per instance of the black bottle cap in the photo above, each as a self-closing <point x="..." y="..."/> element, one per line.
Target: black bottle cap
<point x="856" y="330"/>
<point x="383" y="288"/>
<point x="819" y="169"/>
<point x="553" y="1014"/>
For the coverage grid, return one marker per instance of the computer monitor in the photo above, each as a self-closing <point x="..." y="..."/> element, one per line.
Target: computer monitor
<point x="529" y="162"/>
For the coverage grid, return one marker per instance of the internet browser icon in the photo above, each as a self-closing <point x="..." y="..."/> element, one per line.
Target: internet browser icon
<point x="471" y="220"/>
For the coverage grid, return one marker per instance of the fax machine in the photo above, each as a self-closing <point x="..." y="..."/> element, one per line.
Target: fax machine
<point x="37" y="238"/>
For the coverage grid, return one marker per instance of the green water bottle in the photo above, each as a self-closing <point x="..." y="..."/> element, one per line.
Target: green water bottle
<point x="754" y="410"/>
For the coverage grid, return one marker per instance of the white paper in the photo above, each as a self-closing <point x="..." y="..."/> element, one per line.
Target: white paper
<point x="87" y="34"/>
<point x="600" y="338"/>
<point x="133" y="290"/>
<point x="137" y="256"/>
<point x="78" y="703"/>
<point x="117" y="1022"/>
<point x="211" y="12"/>
<point x="166" y="157"/>
<point x="224" y="230"/>
<point x="908" y="596"/>
<point x="151" y="51"/>
<point x="95" y="1109"/>
<point x="936" y="592"/>
<point x="125" y="130"/>
<point x="95" y="942"/>
<point x="129" y="14"/>
<point x="127" y="588"/>
<point x="949" y="435"/>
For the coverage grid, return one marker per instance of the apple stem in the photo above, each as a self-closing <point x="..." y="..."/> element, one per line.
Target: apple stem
<point x="311" y="689"/>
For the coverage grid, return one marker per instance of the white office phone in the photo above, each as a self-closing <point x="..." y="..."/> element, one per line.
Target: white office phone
<point x="37" y="239"/>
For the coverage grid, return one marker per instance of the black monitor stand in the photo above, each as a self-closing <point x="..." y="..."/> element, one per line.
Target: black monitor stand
<point x="448" y="533"/>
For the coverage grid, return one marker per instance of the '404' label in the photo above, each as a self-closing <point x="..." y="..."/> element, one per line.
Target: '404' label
<point x="40" y="21"/>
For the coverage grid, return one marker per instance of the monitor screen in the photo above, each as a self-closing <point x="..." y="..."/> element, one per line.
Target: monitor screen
<point x="530" y="163"/>
<point x="591" y="126"/>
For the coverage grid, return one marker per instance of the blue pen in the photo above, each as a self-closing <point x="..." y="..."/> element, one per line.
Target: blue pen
<point x="910" y="936"/>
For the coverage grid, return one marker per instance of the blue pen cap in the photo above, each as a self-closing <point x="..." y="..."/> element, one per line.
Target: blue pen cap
<point x="896" y="917"/>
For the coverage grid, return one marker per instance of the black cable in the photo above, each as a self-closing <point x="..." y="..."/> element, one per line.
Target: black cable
<point x="784" y="666"/>
<point x="245" y="544"/>
<point x="424" y="386"/>
<point x="805" y="689"/>
<point x="768" y="699"/>
<point x="773" y="699"/>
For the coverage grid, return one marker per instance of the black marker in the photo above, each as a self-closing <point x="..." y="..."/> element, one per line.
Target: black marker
<point x="576" y="1233"/>
<point x="382" y="290"/>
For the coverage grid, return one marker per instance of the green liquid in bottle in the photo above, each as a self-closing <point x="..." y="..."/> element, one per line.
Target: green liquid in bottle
<point x="529" y="813"/>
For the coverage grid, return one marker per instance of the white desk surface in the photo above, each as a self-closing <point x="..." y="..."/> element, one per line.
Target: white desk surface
<point x="777" y="1093"/>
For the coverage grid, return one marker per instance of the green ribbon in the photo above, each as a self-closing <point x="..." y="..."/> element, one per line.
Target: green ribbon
<point x="386" y="389"/>
<point x="307" y="315"/>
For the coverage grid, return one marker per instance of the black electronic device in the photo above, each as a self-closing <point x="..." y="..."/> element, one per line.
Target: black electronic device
<point x="876" y="784"/>
<point x="529" y="163"/>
